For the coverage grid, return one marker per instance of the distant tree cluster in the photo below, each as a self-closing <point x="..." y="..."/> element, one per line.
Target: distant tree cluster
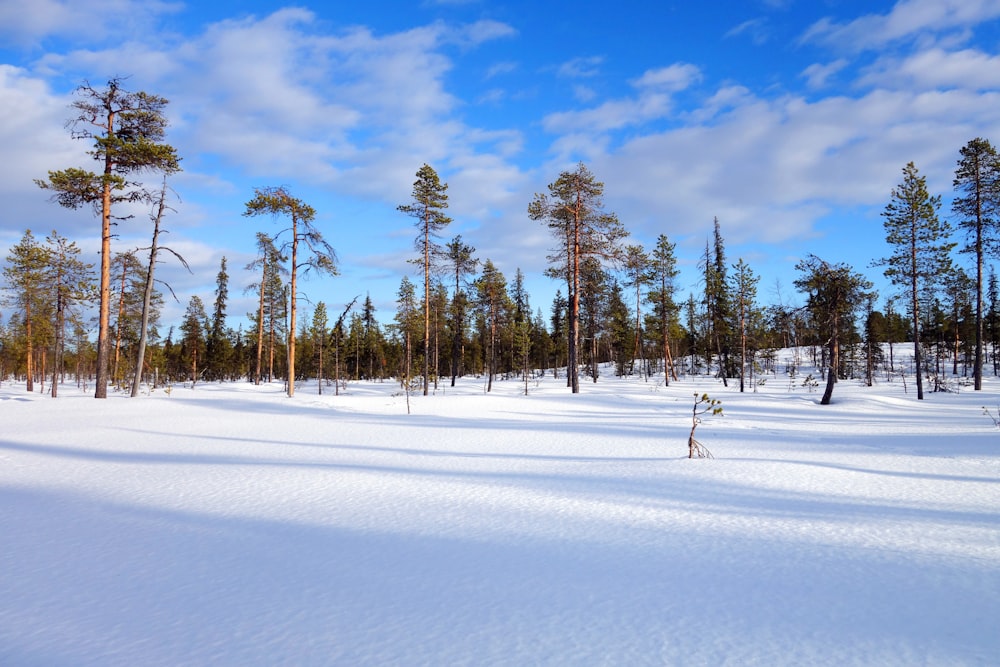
<point x="617" y="306"/>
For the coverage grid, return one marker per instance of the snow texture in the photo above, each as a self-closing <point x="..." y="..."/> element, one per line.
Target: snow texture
<point x="231" y="525"/>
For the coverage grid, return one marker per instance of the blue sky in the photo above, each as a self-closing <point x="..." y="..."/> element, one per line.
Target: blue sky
<point x="788" y="120"/>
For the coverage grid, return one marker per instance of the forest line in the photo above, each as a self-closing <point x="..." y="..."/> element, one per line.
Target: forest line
<point x="618" y="301"/>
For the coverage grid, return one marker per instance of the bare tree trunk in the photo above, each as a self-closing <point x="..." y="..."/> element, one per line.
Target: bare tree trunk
<point x="291" y="325"/>
<point x="147" y="295"/>
<point x="30" y="361"/>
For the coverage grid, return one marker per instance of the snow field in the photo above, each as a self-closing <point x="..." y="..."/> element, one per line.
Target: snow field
<point x="231" y="525"/>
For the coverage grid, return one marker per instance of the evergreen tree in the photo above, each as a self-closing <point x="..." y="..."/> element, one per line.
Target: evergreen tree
<point x="127" y="294"/>
<point x="639" y="273"/>
<point x="594" y="291"/>
<point x="127" y="129"/>
<point x="993" y="317"/>
<point x="958" y="290"/>
<point x="372" y="340"/>
<point x="977" y="206"/>
<point x="560" y="309"/>
<point x="318" y="332"/>
<point x="219" y="348"/>
<point x="26" y="284"/>
<point x="834" y="292"/>
<point x="744" y="291"/>
<point x="71" y="283"/>
<point x="663" y="276"/>
<point x="270" y="308"/>
<point x="693" y="331"/>
<point x="541" y="342"/>
<point x="573" y="211"/>
<point x="521" y="324"/>
<point x="461" y="258"/>
<point x="920" y="254"/>
<point x="430" y="198"/>
<point x="408" y="326"/>
<point x="621" y="328"/>
<point x="718" y="309"/>
<point x="277" y="202"/>
<point x="193" y="327"/>
<point x="492" y="299"/>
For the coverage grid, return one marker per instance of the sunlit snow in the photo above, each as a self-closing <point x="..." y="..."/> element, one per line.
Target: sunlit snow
<point x="231" y="525"/>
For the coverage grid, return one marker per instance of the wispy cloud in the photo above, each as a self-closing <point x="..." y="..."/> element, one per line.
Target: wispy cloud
<point x="582" y="67"/>
<point x="757" y="29"/>
<point x="908" y="18"/>
<point x="672" y="78"/>
<point x="499" y="69"/>
<point x="818" y="75"/>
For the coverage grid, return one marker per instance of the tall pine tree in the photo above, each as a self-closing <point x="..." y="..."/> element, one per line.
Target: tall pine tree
<point x="920" y="251"/>
<point x="429" y="199"/>
<point x="574" y="212"/>
<point x="127" y="130"/>
<point x="977" y="206"/>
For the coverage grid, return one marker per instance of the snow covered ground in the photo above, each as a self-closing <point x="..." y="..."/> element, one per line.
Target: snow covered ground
<point x="231" y="525"/>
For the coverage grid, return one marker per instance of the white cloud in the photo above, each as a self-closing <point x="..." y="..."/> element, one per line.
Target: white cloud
<point x="582" y="67"/>
<point x="612" y="115"/>
<point x="501" y="68"/>
<point x="584" y="94"/>
<point x="653" y="101"/>
<point x="35" y="142"/>
<point x="477" y="33"/>
<point x="771" y="168"/>
<point x="757" y="29"/>
<point x="907" y="19"/>
<point x="935" y="68"/>
<point x="818" y="75"/>
<point x="26" y="23"/>
<point x="672" y="78"/>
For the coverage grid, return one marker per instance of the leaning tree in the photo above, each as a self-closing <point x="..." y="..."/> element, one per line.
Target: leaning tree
<point x="834" y="292"/>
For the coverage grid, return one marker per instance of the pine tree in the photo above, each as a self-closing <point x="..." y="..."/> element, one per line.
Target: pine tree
<point x="834" y="292"/>
<point x="318" y="332"/>
<point x="559" y="339"/>
<point x="127" y="294"/>
<point x="664" y="273"/>
<point x="620" y="328"/>
<point x="920" y="254"/>
<point x="462" y="259"/>
<point x="278" y="202"/>
<point x="993" y="317"/>
<point x="639" y="273"/>
<point x="744" y="291"/>
<point x="429" y="201"/>
<point x="270" y="263"/>
<point x="594" y="291"/>
<point x="492" y="299"/>
<point x="521" y="323"/>
<point x="977" y="206"/>
<point x="70" y="283"/>
<point x="219" y="348"/>
<point x="573" y="212"/>
<point x="127" y="129"/>
<point x="26" y="284"/>
<point x="372" y="347"/>
<point x="193" y="327"/>
<point x="408" y="327"/>
<point x="718" y="308"/>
